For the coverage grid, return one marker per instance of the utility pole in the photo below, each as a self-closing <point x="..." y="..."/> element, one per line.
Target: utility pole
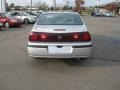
<point x="31" y="4"/>
<point x="99" y="2"/>
<point x="54" y="4"/>
<point x="1" y="6"/>
<point x="67" y="4"/>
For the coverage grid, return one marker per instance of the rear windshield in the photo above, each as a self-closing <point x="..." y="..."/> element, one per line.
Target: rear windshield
<point x="59" y="19"/>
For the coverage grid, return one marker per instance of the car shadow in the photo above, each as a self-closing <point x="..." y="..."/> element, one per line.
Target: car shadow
<point x="105" y="52"/>
<point x="91" y="62"/>
<point x="1" y="29"/>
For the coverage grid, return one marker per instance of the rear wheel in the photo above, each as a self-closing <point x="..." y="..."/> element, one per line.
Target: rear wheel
<point x="35" y="58"/>
<point x="26" y="21"/>
<point x="81" y="59"/>
<point x="7" y="24"/>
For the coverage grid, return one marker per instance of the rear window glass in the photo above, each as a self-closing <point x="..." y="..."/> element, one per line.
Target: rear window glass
<point x="59" y="19"/>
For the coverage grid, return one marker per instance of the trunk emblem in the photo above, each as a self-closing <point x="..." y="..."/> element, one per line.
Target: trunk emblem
<point x="59" y="37"/>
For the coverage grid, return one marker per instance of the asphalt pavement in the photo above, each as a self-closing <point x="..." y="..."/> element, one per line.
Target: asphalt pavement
<point x="101" y="71"/>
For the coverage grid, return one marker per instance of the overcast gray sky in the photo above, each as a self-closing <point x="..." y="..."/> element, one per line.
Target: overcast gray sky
<point x="59" y="2"/>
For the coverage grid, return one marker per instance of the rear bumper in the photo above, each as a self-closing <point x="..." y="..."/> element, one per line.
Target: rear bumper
<point x="78" y="51"/>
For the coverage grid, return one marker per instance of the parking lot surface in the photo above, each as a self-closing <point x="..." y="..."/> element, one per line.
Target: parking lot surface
<point x="101" y="71"/>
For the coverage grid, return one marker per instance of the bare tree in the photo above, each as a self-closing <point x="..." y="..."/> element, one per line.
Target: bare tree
<point x="12" y="5"/>
<point x="41" y="6"/>
<point x="78" y="5"/>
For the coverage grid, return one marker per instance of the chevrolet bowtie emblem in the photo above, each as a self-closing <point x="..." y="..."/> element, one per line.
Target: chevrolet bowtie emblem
<point x="59" y="37"/>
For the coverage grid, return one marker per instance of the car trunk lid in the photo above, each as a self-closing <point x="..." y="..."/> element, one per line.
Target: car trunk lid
<point x="59" y="28"/>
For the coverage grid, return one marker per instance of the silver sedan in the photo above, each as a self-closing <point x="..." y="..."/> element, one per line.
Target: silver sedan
<point x="59" y="35"/>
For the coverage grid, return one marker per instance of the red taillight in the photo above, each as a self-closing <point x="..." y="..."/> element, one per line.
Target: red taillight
<point x="43" y="36"/>
<point x="84" y="36"/>
<point x="76" y="36"/>
<point x="34" y="36"/>
<point x="59" y="37"/>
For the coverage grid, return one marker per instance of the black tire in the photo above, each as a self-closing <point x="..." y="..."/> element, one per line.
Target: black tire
<point x="7" y="25"/>
<point x="36" y="58"/>
<point x="26" y="21"/>
<point x="81" y="59"/>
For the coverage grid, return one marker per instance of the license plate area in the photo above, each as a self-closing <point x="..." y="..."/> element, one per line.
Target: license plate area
<point x="60" y="49"/>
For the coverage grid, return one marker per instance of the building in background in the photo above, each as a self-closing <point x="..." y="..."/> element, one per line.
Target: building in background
<point x="114" y="7"/>
<point x="2" y="6"/>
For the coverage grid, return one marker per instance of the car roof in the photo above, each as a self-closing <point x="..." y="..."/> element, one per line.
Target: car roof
<point x="58" y="12"/>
